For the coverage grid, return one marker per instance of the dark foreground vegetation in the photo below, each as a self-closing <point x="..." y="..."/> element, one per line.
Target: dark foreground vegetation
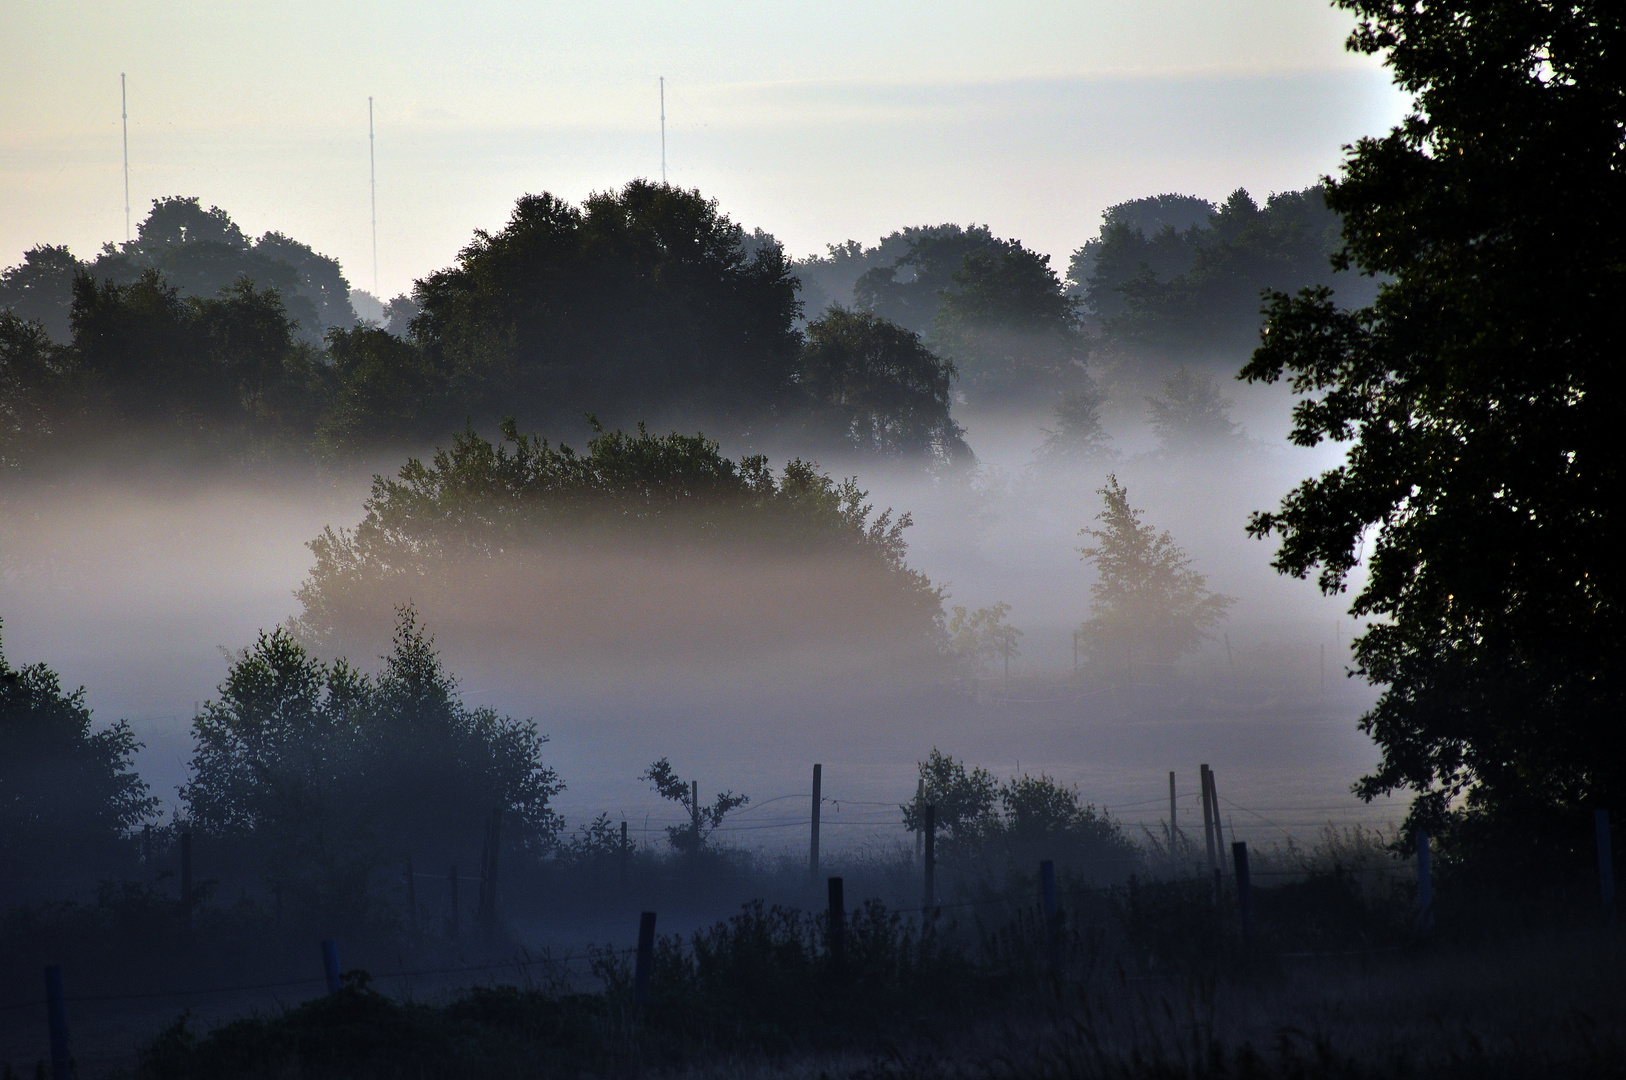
<point x="1150" y="978"/>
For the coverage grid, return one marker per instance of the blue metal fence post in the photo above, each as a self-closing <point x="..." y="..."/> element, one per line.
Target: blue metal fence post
<point x="1425" y="883"/>
<point x="1244" y="889"/>
<point x="56" y="1016"/>
<point x="330" y="964"/>
<point x="646" y="960"/>
<point x="836" y="915"/>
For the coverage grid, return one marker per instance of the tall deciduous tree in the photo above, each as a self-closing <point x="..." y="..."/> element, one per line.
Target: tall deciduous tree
<point x="1482" y="393"/>
<point x="1190" y="415"/>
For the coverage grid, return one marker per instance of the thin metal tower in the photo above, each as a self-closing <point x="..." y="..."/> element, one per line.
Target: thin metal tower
<point x="663" y="129"/>
<point x="124" y="115"/>
<point x="372" y="173"/>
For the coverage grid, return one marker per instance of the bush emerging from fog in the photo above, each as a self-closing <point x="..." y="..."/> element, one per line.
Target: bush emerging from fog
<point x="645" y="544"/>
<point x="1015" y="824"/>
<point x="327" y="774"/>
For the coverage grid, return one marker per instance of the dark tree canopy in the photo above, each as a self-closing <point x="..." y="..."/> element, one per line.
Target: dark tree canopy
<point x="486" y="529"/>
<point x="202" y="253"/>
<point x="1482" y="394"/>
<point x="1010" y="327"/>
<point x="327" y="776"/>
<point x="1166" y="278"/>
<point x="872" y="386"/>
<point x="66" y="790"/>
<point x="640" y="304"/>
<point x="32" y="388"/>
<point x="386" y="393"/>
<point x="208" y="369"/>
<point x="908" y="288"/>
<point x="40" y="288"/>
<point x="1018" y="822"/>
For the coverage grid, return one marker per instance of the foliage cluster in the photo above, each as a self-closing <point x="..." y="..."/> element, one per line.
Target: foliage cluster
<point x="1479" y="395"/>
<point x="873" y="386"/>
<point x="1175" y="277"/>
<point x="1016" y="823"/>
<point x="981" y="637"/>
<point x="68" y="793"/>
<point x="703" y="820"/>
<point x="478" y="509"/>
<point x="991" y="306"/>
<point x="200" y="253"/>
<point x="640" y="304"/>
<point x="645" y="303"/>
<point x="1147" y="603"/>
<point x="323" y="776"/>
<point x="224" y="372"/>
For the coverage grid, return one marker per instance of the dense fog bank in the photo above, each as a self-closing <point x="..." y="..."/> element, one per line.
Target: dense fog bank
<point x="141" y="592"/>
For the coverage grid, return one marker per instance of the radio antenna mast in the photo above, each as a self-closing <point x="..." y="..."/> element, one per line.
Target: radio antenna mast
<point x="372" y="172"/>
<point x="663" y="129"/>
<point x="124" y="115"/>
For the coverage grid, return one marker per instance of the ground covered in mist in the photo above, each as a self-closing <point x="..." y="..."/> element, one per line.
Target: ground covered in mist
<point x="139" y="590"/>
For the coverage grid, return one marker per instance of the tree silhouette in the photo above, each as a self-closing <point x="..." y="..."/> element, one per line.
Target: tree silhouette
<point x="66" y="791"/>
<point x="690" y="837"/>
<point x="1481" y="397"/>
<point x="1147" y="603"/>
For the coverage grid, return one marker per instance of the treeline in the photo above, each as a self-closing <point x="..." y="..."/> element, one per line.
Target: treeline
<point x="1170" y="278"/>
<point x="643" y="304"/>
<point x="313" y="782"/>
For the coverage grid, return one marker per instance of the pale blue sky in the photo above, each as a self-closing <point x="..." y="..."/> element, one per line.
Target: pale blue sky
<point x="818" y="122"/>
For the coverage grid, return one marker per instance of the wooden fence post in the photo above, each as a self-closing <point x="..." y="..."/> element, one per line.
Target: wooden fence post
<point x="837" y="916"/>
<point x="56" y="1017"/>
<point x="1219" y="832"/>
<point x="623" y="852"/>
<point x="1208" y="818"/>
<point x="813" y="848"/>
<point x="1174" y="827"/>
<point x="1425" y="883"/>
<point x="646" y="960"/>
<point x="1606" y="862"/>
<point x="929" y="894"/>
<point x="330" y="965"/>
<point x="1244" y="890"/>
